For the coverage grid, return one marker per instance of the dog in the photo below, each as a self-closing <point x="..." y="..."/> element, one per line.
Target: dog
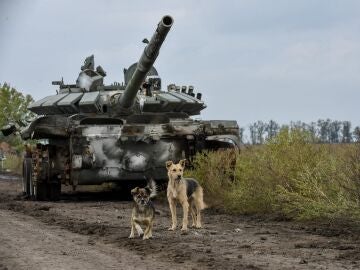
<point x="143" y="212"/>
<point x="188" y="192"/>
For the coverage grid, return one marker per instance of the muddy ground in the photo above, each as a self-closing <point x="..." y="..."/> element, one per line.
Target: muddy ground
<point x="87" y="230"/>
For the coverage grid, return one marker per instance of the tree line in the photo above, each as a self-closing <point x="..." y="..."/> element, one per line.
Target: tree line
<point x="323" y="131"/>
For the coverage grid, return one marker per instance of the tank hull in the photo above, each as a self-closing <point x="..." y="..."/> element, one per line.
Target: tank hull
<point x="96" y="154"/>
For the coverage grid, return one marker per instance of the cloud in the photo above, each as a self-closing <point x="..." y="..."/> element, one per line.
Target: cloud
<point x="287" y="60"/>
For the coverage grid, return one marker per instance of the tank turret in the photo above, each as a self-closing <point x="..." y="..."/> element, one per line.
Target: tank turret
<point x="144" y="65"/>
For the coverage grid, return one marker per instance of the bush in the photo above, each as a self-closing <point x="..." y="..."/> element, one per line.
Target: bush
<point x="13" y="163"/>
<point x="290" y="176"/>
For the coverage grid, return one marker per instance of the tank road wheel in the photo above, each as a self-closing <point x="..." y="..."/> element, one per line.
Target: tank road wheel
<point x="54" y="190"/>
<point x="45" y="183"/>
<point x="47" y="191"/>
<point x="40" y="191"/>
<point x="27" y="176"/>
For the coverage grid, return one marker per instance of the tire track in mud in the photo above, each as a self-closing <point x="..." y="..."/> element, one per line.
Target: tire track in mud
<point x="227" y="242"/>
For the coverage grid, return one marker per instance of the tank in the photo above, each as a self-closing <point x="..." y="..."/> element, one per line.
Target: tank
<point x="91" y="133"/>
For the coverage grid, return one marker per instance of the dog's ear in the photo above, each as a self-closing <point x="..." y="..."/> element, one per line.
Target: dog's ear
<point x="148" y="190"/>
<point x="135" y="191"/>
<point x="182" y="163"/>
<point x="168" y="164"/>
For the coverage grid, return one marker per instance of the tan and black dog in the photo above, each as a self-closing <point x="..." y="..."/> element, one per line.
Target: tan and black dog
<point x="143" y="212"/>
<point x="187" y="191"/>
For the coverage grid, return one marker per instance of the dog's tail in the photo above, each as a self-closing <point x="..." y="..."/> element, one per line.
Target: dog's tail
<point x="151" y="185"/>
<point x="203" y="205"/>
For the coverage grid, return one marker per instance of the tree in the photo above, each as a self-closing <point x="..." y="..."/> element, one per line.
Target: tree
<point x="356" y="134"/>
<point x="324" y="130"/>
<point x="260" y="131"/>
<point x="13" y="106"/>
<point x="312" y="129"/>
<point x="13" y="109"/>
<point x="253" y="133"/>
<point x="272" y="129"/>
<point x="334" y="128"/>
<point x="241" y="134"/>
<point x="346" y="132"/>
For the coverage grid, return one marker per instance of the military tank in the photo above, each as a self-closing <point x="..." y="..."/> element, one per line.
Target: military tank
<point x="92" y="133"/>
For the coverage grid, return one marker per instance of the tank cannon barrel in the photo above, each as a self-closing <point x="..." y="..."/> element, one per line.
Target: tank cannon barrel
<point x="145" y="63"/>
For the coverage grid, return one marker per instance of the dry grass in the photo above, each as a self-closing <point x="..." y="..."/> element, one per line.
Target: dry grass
<point x="290" y="176"/>
<point x="13" y="163"/>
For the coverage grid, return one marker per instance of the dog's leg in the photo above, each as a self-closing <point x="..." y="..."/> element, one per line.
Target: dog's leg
<point x="138" y="229"/>
<point x="198" y="217"/>
<point x="151" y="228"/>
<point x="198" y="206"/>
<point x="193" y="213"/>
<point x="173" y="213"/>
<point x="148" y="231"/>
<point x="132" y="229"/>
<point x="185" y="206"/>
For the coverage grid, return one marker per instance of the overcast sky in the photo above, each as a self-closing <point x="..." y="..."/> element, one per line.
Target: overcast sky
<point x="252" y="60"/>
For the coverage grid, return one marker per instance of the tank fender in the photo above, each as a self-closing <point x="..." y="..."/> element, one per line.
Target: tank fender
<point x="232" y="140"/>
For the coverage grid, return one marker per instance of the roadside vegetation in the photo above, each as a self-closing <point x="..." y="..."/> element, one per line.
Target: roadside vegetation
<point x="13" y="163"/>
<point x="13" y="110"/>
<point x="290" y="176"/>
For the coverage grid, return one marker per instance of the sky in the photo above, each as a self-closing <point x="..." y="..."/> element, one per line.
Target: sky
<point x="285" y="60"/>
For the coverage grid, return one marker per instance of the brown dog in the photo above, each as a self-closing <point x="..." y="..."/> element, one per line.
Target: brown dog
<point x="185" y="190"/>
<point x="143" y="212"/>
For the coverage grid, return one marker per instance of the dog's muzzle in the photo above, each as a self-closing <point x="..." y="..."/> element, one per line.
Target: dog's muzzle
<point x="178" y="178"/>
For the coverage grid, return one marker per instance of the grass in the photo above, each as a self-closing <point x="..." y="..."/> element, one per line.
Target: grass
<point x="290" y="176"/>
<point x="13" y="163"/>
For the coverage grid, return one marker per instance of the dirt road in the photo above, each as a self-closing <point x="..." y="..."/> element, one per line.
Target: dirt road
<point x="90" y="231"/>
